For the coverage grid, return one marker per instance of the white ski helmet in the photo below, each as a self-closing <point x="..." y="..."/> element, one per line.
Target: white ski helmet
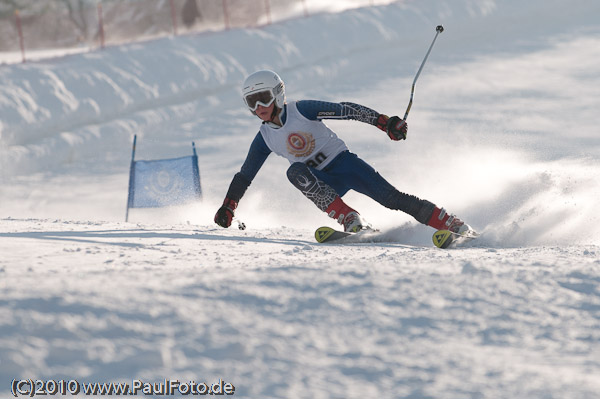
<point x="262" y="88"/>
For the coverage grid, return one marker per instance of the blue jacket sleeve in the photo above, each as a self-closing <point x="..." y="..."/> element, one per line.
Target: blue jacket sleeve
<point x="318" y="110"/>
<point x="257" y="155"/>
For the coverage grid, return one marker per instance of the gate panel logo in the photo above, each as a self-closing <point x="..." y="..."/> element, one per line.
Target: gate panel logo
<point x="300" y="144"/>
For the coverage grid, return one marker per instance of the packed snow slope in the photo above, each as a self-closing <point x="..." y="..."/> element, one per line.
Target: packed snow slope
<point x="503" y="132"/>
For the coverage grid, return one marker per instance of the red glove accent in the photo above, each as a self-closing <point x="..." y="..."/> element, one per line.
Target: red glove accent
<point x="382" y="122"/>
<point x="224" y="215"/>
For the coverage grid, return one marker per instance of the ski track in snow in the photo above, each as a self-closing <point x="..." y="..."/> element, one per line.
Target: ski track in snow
<point x="508" y="99"/>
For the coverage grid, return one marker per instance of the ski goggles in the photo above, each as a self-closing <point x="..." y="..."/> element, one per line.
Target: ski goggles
<point x="264" y="98"/>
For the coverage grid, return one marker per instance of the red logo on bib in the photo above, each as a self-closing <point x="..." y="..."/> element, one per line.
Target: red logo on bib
<point x="300" y="144"/>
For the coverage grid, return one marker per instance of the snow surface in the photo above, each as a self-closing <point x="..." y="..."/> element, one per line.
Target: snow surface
<point x="503" y="132"/>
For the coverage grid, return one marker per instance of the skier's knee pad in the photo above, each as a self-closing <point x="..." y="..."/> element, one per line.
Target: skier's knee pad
<point x="314" y="189"/>
<point x="299" y="175"/>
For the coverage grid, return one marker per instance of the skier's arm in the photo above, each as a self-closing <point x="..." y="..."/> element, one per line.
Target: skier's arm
<point x="395" y="127"/>
<point x="318" y="110"/>
<point x="257" y="155"/>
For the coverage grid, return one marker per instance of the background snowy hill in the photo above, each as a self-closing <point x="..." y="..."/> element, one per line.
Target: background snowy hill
<point x="507" y="91"/>
<point x="503" y="132"/>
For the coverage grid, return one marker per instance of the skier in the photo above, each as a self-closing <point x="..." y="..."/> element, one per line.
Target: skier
<point x="322" y="167"/>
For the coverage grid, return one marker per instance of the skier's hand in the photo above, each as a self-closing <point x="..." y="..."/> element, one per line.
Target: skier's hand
<point x="225" y="213"/>
<point x="396" y="128"/>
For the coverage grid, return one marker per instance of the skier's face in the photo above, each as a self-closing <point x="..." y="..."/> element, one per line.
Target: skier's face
<point x="265" y="113"/>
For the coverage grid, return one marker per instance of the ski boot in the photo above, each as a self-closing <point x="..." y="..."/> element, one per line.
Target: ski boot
<point x="441" y="220"/>
<point x="450" y="229"/>
<point x="346" y="216"/>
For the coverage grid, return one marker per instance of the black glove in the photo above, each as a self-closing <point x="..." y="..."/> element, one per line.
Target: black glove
<point x="395" y="127"/>
<point x="224" y="215"/>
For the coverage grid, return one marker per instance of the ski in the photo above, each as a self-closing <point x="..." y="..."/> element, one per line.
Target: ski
<point x="326" y="234"/>
<point x="442" y="238"/>
<point x="447" y="239"/>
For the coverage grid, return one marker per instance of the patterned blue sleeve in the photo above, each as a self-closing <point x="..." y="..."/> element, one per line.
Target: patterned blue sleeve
<point x="318" y="110"/>
<point x="257" y="155"/>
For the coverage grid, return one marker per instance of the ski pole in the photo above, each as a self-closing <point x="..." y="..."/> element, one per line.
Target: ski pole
<point x="439" y="29"/>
